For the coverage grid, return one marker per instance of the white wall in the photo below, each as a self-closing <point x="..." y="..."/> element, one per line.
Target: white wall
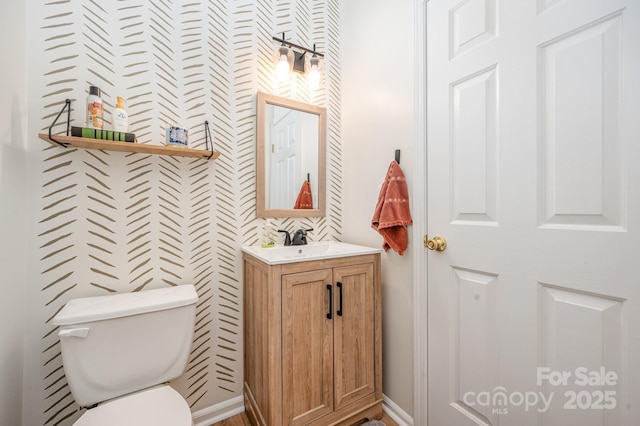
<point x="13" y="211"/>
<point x="378" y="118"/>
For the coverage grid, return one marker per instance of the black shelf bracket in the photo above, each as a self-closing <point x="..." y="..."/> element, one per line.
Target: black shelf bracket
<point x="208" y="139"/>
<point x="67" y="106"/>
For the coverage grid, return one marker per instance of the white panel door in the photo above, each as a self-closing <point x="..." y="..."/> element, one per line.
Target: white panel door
<point x="533" y="179"/>
<point x="286" y="158"/>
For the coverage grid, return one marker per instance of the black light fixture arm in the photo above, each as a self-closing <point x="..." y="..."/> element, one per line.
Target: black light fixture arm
<point x="287" y="43"/>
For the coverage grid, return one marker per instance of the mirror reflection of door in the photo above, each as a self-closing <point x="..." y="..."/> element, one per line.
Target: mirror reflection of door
<point x="286" y="156"/>
<point x="291" y="147"/>
<point x="291" y="157"/>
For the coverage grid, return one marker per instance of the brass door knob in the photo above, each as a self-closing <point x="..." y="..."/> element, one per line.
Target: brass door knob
<point x="436" y="243"/>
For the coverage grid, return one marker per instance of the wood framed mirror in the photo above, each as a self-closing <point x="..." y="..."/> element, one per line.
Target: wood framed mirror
<point x="291" y="158"/>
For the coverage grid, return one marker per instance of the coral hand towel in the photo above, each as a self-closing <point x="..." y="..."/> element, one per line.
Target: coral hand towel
<point x="392" y="214"/>
<point x="304" y="200"/>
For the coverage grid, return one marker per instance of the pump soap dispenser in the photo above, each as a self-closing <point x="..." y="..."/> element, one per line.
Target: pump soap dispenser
<point x="120" y="120"/>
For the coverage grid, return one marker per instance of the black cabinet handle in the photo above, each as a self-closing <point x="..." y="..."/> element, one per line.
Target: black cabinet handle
<point x="330" y="313"/>
<point x="339" y="311"/>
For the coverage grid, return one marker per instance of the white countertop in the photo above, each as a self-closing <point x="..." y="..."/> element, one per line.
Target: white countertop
<point x="313" y="251"/>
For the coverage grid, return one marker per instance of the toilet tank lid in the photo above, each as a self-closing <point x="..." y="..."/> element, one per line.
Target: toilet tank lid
<point x="88" y="309"/>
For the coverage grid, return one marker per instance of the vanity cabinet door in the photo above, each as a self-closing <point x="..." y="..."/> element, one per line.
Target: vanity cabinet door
<point x="307" y="346"/>
<point x="354" y="335"/>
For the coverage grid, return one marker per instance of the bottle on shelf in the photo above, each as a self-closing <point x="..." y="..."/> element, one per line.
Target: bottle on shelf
<point x="120" y="119"/>
<point x="95" y="117"/>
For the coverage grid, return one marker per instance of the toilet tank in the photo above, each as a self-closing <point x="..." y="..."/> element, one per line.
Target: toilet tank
<point x="117" y="344"/>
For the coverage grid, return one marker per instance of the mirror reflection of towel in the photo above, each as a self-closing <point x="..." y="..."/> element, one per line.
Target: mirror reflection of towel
<point x="392" y="213"/>
<point x="304" y="200"/>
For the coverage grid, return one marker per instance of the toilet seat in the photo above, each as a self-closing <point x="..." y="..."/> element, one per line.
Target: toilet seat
<point x="157" y="406"/>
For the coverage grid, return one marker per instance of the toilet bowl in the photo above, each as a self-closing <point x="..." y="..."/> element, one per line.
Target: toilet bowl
<point x="119" y="351"/>
<point x="158" y="406"/>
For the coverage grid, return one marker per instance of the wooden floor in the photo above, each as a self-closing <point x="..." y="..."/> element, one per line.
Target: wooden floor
<point x="239" y="420"/>
<point x="242" y="420"/>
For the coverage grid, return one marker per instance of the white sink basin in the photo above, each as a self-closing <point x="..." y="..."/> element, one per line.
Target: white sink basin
<point x="312" y="251"/>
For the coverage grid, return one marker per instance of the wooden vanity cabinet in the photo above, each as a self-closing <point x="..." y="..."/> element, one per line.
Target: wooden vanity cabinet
<point x="312" y="341"/>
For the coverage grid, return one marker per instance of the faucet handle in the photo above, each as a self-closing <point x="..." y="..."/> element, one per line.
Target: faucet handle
<point x="304" y="231"/>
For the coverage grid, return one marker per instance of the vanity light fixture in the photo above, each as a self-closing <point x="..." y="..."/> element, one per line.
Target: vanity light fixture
<point x="291" y="56"/>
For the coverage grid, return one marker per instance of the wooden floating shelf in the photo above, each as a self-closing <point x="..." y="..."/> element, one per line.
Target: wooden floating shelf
<point x="106" y="145"/>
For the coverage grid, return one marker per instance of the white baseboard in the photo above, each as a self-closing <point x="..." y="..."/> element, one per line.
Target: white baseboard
<point x="233" y="406"/>
<point x="395" y="412"/>
<point x="219" y="412"/>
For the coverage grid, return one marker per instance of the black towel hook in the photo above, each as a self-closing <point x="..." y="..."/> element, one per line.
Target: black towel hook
<point x="398" y="156"/>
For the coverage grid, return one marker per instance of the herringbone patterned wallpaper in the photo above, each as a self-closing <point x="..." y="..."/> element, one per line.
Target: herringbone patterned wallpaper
<point x="111" y="222"/>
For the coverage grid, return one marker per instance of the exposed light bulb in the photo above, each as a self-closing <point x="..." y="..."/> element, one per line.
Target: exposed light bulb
<point x="283" y="67"/>
<point x="313" y="77"/>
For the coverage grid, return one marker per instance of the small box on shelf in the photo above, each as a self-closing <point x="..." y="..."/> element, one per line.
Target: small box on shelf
<point x="109" y="135"/>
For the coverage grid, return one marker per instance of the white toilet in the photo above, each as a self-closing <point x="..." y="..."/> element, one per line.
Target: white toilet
<point x="119" y="352"/>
